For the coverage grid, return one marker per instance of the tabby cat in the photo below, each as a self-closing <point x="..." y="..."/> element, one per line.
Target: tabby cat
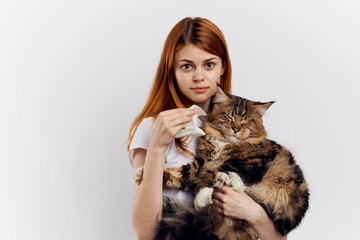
<point x="234" y="152"/>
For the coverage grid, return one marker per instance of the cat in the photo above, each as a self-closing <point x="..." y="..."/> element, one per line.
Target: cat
<point x="234" y="152"/>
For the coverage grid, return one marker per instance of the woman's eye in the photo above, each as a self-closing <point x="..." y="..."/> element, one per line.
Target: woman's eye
<point x="186" y="66"/>
<point x="209" y="65"/>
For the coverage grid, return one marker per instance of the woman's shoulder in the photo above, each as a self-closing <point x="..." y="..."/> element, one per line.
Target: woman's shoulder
<point x="147" y="121"/>
<point x="141" y="137"/>
<point x="143" y="133"/>
<point x="145" y="126"/>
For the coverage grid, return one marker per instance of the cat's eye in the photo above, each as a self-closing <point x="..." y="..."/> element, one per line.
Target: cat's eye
<point x="227" y="116"/>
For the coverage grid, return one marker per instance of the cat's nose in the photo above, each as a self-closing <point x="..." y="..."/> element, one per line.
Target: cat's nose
<point x="236" y="129"/>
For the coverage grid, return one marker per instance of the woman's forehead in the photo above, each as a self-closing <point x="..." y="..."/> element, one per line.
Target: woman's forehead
<point x="194" y="53"/>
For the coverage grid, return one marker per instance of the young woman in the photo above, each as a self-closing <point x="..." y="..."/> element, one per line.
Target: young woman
<point x="193" y="62"/>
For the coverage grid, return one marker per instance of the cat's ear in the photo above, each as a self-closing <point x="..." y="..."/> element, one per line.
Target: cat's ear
<point x="261" y="107"/>
<point x="220" y="96"/>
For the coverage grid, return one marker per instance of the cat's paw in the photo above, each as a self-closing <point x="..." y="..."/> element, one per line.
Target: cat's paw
<point x="137" y="175"/>
<point x="172" y="184"/>
<point x="203" y="198"/>
<point x="236" y="183"/>
<point x="221" y="179"/>
<point x="172" y="177"/>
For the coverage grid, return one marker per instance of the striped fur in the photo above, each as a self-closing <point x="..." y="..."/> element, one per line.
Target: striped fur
<point x="236" y="141"/>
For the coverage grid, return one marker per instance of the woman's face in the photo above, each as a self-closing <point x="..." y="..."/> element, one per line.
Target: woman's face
<point x="197" y="74"/>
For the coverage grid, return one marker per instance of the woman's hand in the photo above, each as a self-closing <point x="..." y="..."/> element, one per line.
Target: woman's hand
<point x="168" y="123"/>
<point x="237" y="205"/>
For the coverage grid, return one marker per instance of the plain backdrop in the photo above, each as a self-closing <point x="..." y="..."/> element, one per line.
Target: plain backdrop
<point x="75" y="73"/>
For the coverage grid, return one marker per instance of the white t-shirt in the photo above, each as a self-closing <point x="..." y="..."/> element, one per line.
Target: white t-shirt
<point x="174" y="157"/>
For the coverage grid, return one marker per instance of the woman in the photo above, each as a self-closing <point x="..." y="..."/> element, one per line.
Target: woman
<point x="193" y="62"/>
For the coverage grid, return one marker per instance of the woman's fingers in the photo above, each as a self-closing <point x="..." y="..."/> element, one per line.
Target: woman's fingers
<point x="180" y="117"/>
<point x="168" y="123"/>
<point x="174" y="113"/>
<point x="220" y="193"/>
<point x="179" y="120"/>
<point x="179" y="110"/>
<point x="225" y="189"/>
<point x="175" y="119"/>
<point x="234" y="204"/>
<point x="217" y="203"/>
<point x="224" y="200"/>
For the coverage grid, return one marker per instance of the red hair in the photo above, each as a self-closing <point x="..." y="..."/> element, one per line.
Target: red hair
<point x="164" y="94"/>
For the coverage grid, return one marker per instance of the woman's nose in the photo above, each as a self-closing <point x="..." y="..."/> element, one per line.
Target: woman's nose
<point x="198" y="77"/>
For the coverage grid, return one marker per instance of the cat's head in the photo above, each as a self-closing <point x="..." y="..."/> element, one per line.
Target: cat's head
<point x="236" y="119"/>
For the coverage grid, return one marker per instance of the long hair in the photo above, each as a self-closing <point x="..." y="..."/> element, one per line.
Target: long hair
<point x="164" y="94"/>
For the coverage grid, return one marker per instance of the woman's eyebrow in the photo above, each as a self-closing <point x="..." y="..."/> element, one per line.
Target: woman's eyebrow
<point x="210" y="59"/>
<point x="189" y="61"/>
<point x="186" y="60"/>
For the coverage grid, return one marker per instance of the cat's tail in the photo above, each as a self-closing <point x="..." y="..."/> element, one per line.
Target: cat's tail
<point x="183" y="221"/>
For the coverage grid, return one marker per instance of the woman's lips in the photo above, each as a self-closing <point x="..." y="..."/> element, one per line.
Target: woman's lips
<point x="200" y="89"/>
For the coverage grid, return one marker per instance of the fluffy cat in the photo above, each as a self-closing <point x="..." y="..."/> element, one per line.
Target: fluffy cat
<point x="234" y="152"/>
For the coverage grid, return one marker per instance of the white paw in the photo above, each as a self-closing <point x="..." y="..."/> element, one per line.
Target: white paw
<point x="221" y="179"/>
<point x="137" y="175"/>
<point x="236" y="183"/>
<point x="203" y="198"/>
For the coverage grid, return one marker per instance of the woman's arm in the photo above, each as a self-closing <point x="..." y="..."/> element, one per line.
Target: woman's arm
<point x="265" y="227"/>
<point x="148" y="200"/>
<point x="240" y="206"/>
<point x="148" y="195"/>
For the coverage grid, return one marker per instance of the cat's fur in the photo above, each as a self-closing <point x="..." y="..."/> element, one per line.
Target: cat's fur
<point x="235" y="145"/>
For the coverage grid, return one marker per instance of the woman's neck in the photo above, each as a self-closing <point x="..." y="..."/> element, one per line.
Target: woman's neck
<point x="205" y="106"/>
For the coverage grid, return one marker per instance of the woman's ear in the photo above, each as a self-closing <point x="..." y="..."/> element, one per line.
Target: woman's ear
<point x="223" y="67"/>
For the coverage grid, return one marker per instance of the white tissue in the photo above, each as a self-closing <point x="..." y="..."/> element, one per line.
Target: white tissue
<point x="191" y="128"/>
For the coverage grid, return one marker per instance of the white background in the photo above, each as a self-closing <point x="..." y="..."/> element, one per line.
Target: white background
<point x="74" y="74"/>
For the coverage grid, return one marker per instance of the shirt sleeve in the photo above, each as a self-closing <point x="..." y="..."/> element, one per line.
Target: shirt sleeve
<point x="141" y="138"/>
